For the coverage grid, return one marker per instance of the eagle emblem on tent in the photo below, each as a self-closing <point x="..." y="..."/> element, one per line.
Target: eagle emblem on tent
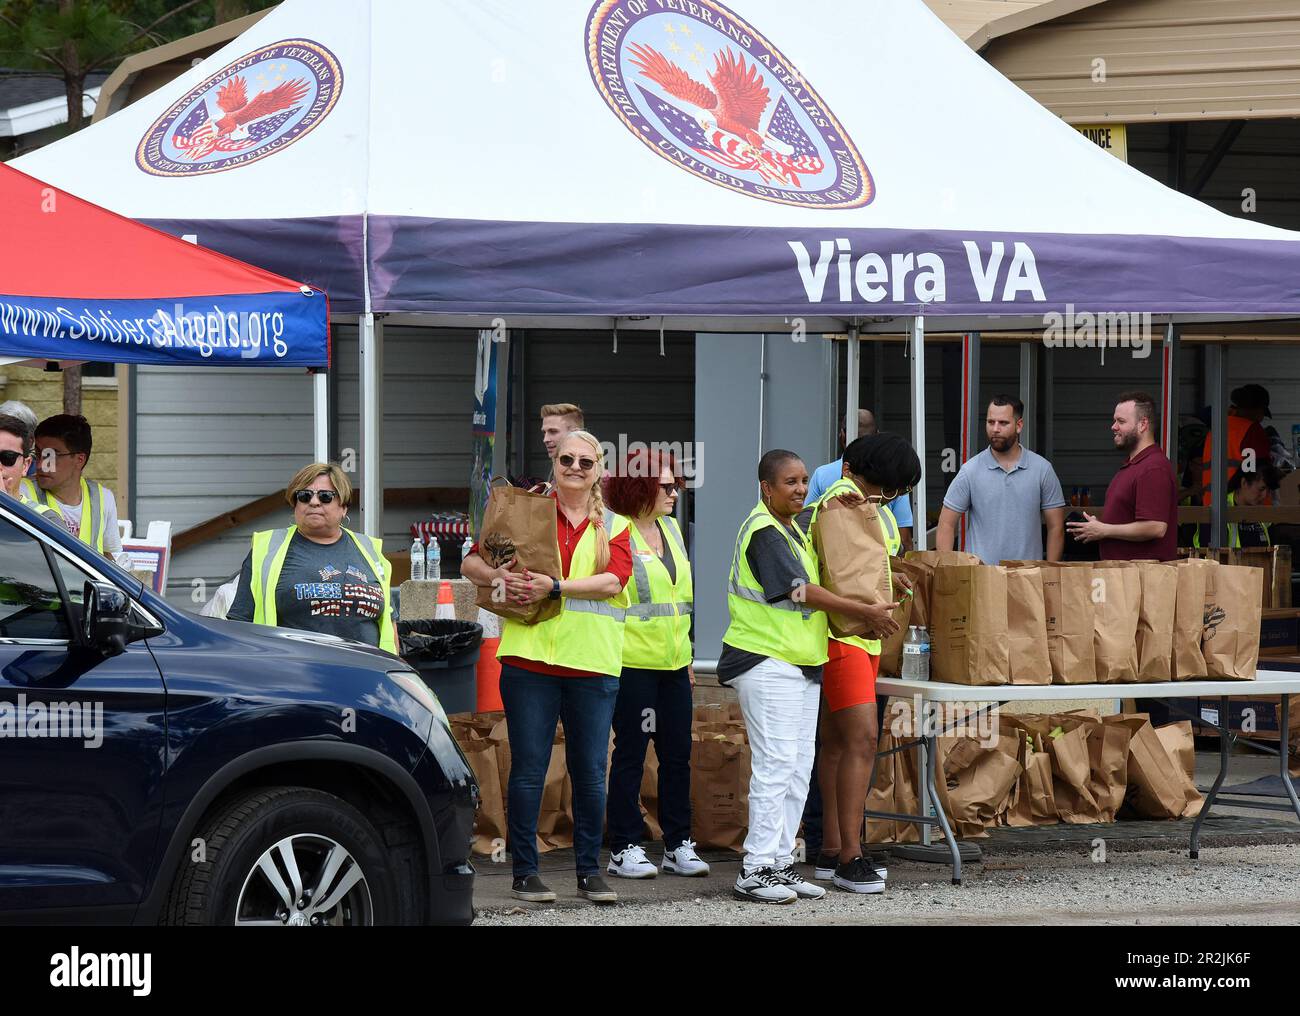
<point x="249" y="109"/>
<point x="703" y="89"/>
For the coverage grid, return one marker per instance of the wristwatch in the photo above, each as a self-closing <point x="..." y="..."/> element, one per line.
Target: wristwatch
<point x="555" y="589"/>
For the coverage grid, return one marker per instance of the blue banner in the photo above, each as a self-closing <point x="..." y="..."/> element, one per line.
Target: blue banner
<point x="249" y="330"/>
<point x="484" y="425"/>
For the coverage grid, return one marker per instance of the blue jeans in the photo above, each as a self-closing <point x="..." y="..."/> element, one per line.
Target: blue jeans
<point x="534" y="702"/>
<point x="667" y="696"/>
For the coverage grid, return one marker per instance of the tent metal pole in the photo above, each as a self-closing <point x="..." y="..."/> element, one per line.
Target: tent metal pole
<point x="372" y="413"/>
<point x="971" y="410"/>
<point x="916" y="328"/>
<point x="851" y="395"/>
<point x="1216" y="376"/>
<point x="878" y="383"/>
<point x="1169" y="393"/>
<point x="320" y="419"/>
<point x="1029" y="392"/>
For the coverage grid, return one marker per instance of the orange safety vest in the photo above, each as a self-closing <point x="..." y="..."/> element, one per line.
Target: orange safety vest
<point x="1237" y="427"/>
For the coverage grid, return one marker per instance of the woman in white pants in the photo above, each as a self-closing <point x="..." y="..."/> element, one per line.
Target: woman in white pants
<point x="772" y="654"/>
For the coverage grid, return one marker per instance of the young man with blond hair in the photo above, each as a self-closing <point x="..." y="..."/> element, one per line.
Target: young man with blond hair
<point x="558" y="420"/>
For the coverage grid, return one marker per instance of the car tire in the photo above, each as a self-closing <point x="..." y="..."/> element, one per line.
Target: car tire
<point x="251" y="853"/>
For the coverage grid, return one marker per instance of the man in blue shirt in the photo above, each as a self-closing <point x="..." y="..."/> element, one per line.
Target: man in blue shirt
<point x="825" y="475"/>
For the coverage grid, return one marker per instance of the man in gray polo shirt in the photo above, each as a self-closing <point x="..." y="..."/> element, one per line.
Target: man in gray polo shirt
<point x="1007" y="490"/>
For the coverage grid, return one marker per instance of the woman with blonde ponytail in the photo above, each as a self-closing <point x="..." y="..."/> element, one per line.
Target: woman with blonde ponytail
<point x="565" y="668"/>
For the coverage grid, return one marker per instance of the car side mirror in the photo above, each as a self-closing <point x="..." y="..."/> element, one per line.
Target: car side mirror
<point x="104" y="618"/>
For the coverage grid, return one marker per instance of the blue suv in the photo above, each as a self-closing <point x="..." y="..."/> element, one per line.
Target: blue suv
<point x="161" y="768"/>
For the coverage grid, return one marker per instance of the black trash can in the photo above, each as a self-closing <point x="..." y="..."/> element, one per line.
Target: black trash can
<point x="445" y="654"/>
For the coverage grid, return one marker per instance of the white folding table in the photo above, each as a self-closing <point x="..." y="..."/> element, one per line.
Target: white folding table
<point x="1276" y="679"/>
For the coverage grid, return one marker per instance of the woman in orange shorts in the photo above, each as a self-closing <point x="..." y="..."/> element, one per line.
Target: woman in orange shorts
<point x="881" y="466"/>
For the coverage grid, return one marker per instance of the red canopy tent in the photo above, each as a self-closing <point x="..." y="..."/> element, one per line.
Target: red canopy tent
<point x="81" y="283"/>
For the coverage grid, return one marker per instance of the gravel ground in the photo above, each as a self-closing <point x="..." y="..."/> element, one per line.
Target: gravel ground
<point x="1227" y="886"/>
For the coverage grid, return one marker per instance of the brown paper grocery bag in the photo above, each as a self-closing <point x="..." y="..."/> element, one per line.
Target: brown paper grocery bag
<point x="490" y="819"/>
<point x="852" y="558"/>
<point x="555" y="819"/>
<point x="979" y="789"/>
<point x="1071" y="776"/>
<point x="891" y="648"/>
<point x="1027" y="627"/>
<point x="1233" y="609"/>
<point x="1155" y="631"/>
<point x="1067" y="598"/>
<point x="968" y="630"/>
<point x="1108" y="750"/>
<point x="1116" y="600"/>
<point x="519" y="525"/>
<point x="1180" y="743"/>
<point x="927" y="561"/>
<point x="720" y="773"/>
<point x="1189" y="619"/>
<point x="1154" y="777"/>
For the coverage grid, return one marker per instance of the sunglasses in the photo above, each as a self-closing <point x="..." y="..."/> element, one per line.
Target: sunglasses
<point x="8" y="457"/>
<point x="585" y="464"/>
<point x="304" y="496"/>
<point x="671" y="488"/>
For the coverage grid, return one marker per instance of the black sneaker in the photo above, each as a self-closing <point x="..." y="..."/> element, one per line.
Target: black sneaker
<point x="594" y="888"/>
<point x="532" y="890"/>
<point x="825" y="866"/>
<point x="858" y="876"/>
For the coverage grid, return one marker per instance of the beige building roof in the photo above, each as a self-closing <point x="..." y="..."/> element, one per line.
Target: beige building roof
<point x="969" y="18"/>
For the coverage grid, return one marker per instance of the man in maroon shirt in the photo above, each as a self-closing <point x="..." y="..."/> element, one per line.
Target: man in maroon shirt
<point x="1140" y="519"/>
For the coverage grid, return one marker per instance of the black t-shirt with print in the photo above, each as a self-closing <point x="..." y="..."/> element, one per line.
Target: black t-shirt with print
<point x="323" y="588"/>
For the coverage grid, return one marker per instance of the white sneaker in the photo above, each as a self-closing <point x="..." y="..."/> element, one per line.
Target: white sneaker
<point x="631" y="862"/>
<point x="761" y="885"/>
<point x="804" y="889"/>
<point x="685" y="861"/>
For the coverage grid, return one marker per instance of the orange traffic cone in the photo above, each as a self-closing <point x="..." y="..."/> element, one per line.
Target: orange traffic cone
<point x="446" y="609"/>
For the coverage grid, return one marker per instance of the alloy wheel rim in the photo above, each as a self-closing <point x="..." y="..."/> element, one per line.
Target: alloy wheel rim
<point x="305" y="880"/>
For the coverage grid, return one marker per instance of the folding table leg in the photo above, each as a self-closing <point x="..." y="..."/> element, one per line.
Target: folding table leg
<point x="1284" y="753"/>
<point x="930" y="773"/>
<point x="1225" y="743"/>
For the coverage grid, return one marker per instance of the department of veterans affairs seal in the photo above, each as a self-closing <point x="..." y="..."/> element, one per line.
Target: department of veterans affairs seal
<point x="703" y="89"/>
<point x="252" y="108"/>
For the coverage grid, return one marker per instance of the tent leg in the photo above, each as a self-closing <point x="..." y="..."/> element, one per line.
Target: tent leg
<point x="851" y="395"/>
<point x="320" y="419"/>
<point x="916" y="327"/>
<point x="1169" y="393"/>
<point x="1216" y="372"/>
<point x="972" y="413"/>
<point x="372" y="415"/>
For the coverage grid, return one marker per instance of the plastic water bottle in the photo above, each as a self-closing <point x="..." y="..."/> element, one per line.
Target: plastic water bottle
<point x="916" y="654"/>
<point x="417" y="560"/>
<point x="433" y="562"/>
<point x="466" y="547"/>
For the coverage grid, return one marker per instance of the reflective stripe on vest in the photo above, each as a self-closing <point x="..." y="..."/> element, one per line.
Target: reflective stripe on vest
<point x="784" y="630"/>
<point x="93" y="521"/>
<point x="658" y="633"/>
<point x="585" y="634"/>
<point x="1234" y="529"/>
<point x="41" y="509"/>
<point x="888" y="525"/>
<point x="270" y="547"/>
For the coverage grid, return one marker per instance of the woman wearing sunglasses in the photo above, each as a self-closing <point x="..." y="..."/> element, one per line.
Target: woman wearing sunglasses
<point x="772" y="654"/>
<point x="318" y="575"/>
<point x="657" y="678"/>
<point x="564" y="668"/>
<point x="881" y="467"/>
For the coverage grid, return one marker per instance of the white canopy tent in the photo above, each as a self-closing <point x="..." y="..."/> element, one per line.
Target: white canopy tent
<point x="687" y="164"/>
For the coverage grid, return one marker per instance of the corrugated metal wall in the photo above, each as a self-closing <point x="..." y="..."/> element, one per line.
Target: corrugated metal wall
<point x="1163" y="60"/>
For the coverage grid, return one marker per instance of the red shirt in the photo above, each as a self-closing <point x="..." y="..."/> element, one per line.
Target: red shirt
<point x="1143" y="491"/>
<point x="620" y="565"/>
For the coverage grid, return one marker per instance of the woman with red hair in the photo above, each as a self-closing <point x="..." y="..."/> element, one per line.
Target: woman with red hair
<point x="654" y="692"/>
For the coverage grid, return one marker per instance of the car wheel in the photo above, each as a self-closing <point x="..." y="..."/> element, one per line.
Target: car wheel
<point x="285" y="857"/>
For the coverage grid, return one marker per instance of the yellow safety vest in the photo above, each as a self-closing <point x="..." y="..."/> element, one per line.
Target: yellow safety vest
<point x="893" y="543"/>
<point x="50" y="513"/>
<point x="785" y="630"/>
<point x="94" y="508"/>
<point x="657" y="633"/>
<point x="271" y="546"/>
<point x="585" y="634"/>
<point x="1234" y="530"/>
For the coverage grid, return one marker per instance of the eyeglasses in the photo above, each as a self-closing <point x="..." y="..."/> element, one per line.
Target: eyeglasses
<point x="304" y="496"/>
<point x="585" y="464"/>
<point x="8" y="458"/>
<point x="671" y="488"/>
